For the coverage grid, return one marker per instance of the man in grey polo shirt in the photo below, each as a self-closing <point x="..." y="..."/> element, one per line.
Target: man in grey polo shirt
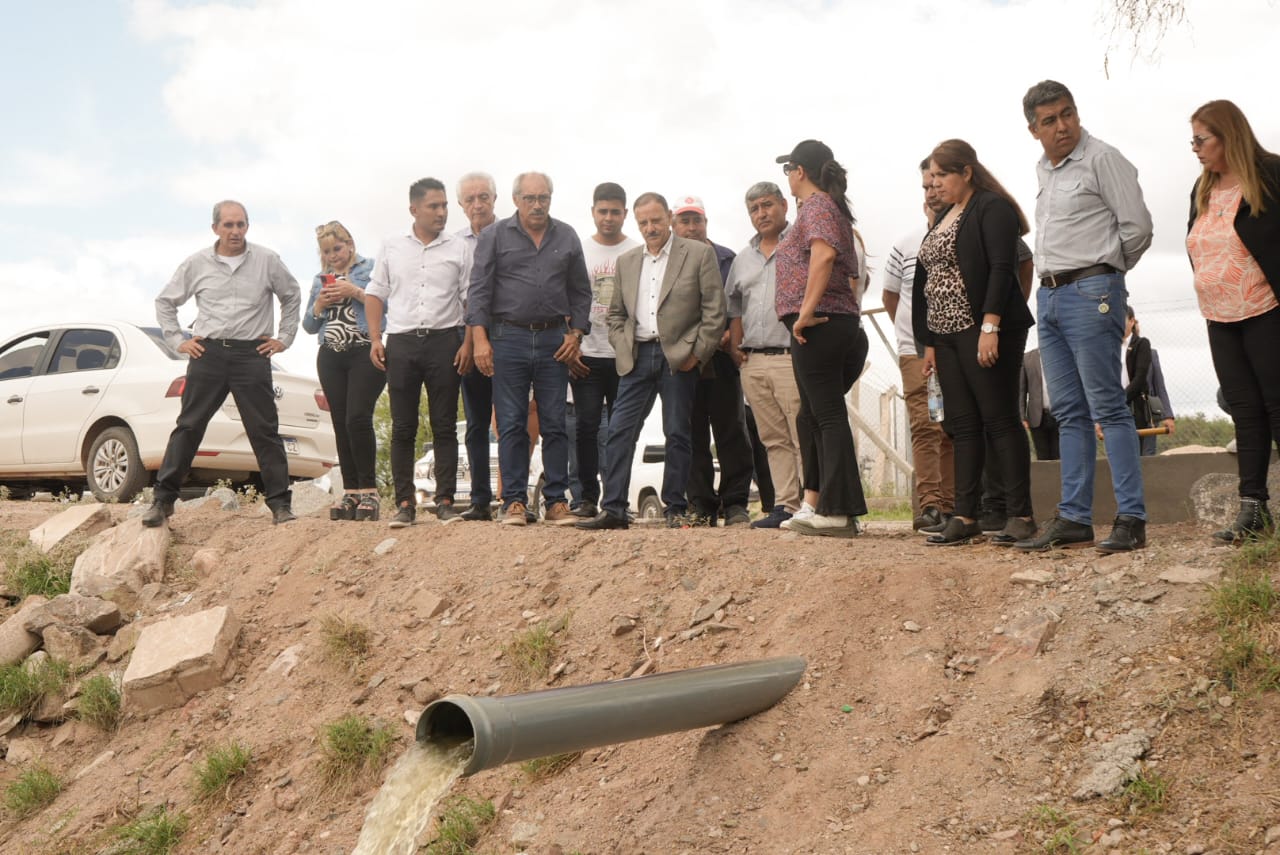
<point x="760" y="345"/>
<point x="1091" y="227"/>
<point x="234" y="283"/>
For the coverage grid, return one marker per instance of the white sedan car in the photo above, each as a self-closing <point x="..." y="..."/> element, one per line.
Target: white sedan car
<point x="646" y="471"/>
<point x="97" y="401"/>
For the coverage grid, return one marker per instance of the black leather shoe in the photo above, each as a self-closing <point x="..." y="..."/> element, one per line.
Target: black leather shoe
<point x="1059" y="534"/>
<point x="282" y="514"/>
<point x="736" y="515"/>
<point x="955" y="533"/>
<point x="157" y="514"/>
<point x="943" y="519"/>
<point x="587" y="510"/>
<point x="993" y="520"/>
<point x="1253" y="520"/>
<point x="928" y="518"/>
<point x="478" y="513"/>
<point x="1014" y="530"/>
<point x="604" y="522"/>
<point x="1128" y="533"/>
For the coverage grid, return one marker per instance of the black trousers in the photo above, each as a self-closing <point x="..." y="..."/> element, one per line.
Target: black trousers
<point x="719" y="410"/>
<point x="352" y="383"/>
<point x="826" y="368"/>
<point x="412" y="362"/>
<point x="238" y="369"/>
<point x="1045" y="438"/>
<point x="1246" y="357"/>
<point x="760" y="464"/>
<point x="477" y="402"/>
<point x="982" y="410"/>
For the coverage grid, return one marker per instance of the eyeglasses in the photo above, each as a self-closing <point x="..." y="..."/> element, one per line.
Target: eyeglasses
<point x="788" y="168"/>
<point x="482" y="198"/>
<point x="1198" y="140"/>
<point x="544" y="199"/>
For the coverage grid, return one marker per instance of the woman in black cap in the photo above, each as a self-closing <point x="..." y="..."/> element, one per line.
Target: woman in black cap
<point x="817" y="268"/>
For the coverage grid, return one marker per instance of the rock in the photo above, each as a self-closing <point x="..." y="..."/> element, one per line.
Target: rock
<point x="910" y="626"/>
<point x="123" y="642"/>
<point x="1272" y="836"/>
<point x="1032" y="577"/>
<point x="1183" y="575"/>
<point x="22" y="750"/>
<point x="426" y="604"/>
<point x="284" y="664"/>
<point x="424" y="693"/>
<point x="523" y="834"/>
<point x="205" y="561"/>
<point x="72" y="644"/>
<point x="16" y="641"/>
<point x="621" y="625"/>
<point x="9" y="722"/>
<point x="1216" y="499"/>
<point x="226" y="498"/>
<point x="1195" y="849"/>
<point x="120" y="562"/>
<point x="97" y="762"/>
<point x="86" y="518"/>
<point x="92" y="613"/>
<point x="49" y="710"/>
<point x="177" y="658"/>
<point x="308" y="499"/>
<point x="707" y="610"/>
<point x="286" y="799"/>
<point x="1114" y="764"/>
<point x="187" y="505"/>
<point x="385" y="546"/>
<point x="1026" y="636"/>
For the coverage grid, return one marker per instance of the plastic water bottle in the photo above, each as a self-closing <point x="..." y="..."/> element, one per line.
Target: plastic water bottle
<point x="936" y="412"/>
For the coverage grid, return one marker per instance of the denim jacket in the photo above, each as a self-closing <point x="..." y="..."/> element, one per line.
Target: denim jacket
<point x="358" y="276"/>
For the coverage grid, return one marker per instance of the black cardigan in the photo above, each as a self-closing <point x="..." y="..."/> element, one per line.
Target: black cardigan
<point x="987" y="252"/>
<point x="1137" y="361"/>
<point x="1261" y="234"/>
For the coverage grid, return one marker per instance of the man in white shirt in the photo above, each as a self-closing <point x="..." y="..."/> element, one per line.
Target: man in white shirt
<point x="930" y="446"/>
<point x="419" y="283"/>
<point x="595" y="374"/>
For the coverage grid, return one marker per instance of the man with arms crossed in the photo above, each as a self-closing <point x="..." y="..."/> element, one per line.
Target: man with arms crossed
<point x="419" y="282"/>
<point x="233" y="283"/>
<point x="529" y="277"/>
<point x="760" y="345"/>
<point x="665" y="320"/>
<point x="931" y="452"/>
<point x="1091" y="227"/>
<point x="595" y="381"/>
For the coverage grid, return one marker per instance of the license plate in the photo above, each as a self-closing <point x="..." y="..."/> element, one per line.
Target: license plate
<point x="290" y="444"/>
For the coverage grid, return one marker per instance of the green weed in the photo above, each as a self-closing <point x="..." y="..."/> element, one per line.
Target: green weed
<point x="100" y="702"/>
<point x="346" y="642"/>
<point x="22" y="689"/>
<point x="221" y="768"/>
<point x="533" y="652"/>
<point x="353" y="747"/>
<point x="462" y="822"/>
<point x="542" y="768"/>
<point x="1147" y="793"/>
<point x="33" y="789"/>
<point x="155" y="833"/>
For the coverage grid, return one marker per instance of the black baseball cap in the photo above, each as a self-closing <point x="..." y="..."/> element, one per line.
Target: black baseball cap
<point x="811" y="154"/>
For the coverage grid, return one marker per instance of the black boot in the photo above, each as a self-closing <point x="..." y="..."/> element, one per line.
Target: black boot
<point x="1128" y="533"/>
<point x="1253" y="520"/>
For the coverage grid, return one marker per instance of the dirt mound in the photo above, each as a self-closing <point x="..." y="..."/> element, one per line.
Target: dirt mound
<point x="946" y="707"/>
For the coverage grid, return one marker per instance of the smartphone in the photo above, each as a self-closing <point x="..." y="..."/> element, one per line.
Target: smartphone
<point x="327" y="279"/>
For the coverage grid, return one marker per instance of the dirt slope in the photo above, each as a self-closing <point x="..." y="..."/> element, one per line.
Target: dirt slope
<point x="918" y="727"/>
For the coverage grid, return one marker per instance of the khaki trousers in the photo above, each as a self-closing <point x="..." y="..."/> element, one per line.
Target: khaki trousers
<point x="930" y="446"/>
<point x="769" y="383"/>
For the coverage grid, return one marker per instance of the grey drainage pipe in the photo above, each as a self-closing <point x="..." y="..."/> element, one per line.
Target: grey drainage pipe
<point x="559" y="721"/>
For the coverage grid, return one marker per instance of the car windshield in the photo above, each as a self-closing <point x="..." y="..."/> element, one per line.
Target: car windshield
<point x="157" y="337"/>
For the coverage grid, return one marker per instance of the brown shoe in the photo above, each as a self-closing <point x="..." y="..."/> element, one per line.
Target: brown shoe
<point x="515" y="514"/>
<point x="559" y="514"/>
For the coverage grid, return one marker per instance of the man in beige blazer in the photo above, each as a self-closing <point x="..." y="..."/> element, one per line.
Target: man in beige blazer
<point x="665" y="321"/>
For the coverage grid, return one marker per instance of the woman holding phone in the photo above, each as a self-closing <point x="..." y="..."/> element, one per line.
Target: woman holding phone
<point x="351" y="382"/>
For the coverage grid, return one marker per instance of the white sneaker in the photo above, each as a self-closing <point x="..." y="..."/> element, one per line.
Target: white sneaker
<point x="819" y="521"/>
<point x="806" y="513"/>
<point x="819" y="525"/>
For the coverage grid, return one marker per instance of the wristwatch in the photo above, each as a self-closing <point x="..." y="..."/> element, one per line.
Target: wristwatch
<point x="990" y="328"/>
<point x="577" y="334"/>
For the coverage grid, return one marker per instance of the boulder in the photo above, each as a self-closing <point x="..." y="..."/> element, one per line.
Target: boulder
<point x="122" y="643"/>
<point x="72" y="644"/>
<point x="120" y="562"/>
<point x="87" y="518"/>
<point x="1216" y="496"/>
<point x="16" y="641"/>
<point x="226" y="498"/>
<point x="93" y="613"/>
<point x="178" y="658"/>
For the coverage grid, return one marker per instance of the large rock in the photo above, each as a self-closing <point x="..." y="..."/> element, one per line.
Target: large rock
<point x="1114" y="764"/>
<point x="73" y="644"/>
<point x="1216" y="496"/>
<point x="308" y="499"/>
<point x="16" y="641"/>
<point x="93" y="613"/>
<point x="120" y="562"/>
<point x="181" y="657"/>
<point x="85" y="518"/>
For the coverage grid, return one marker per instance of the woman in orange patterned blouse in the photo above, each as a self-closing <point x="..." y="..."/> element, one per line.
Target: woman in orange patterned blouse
<point x="1233" y="240"/>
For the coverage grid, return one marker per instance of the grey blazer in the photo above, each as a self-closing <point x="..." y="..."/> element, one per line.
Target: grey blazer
<point x="691" y="305"/>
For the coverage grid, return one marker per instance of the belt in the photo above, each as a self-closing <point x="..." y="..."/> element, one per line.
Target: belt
<point x="425" y="332"/>
<point x="767" y="351"/>
<point x="232" y="342"/>
<point x="535" y="326"/>
<point x="1066" y="277"/>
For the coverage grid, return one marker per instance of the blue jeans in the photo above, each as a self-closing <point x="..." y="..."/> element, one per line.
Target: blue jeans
<point x="591" y="394"/>
<point x="650" y="377"/>
<point x="523" y="359"/>
<point x="1080" y="353"/>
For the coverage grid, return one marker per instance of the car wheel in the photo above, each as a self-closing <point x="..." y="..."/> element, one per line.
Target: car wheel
<point x="650" y="507"/>
<point x="114" y="467"/>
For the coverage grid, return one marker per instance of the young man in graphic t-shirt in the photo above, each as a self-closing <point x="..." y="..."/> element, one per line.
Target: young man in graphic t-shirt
<point x="594" y="377"/>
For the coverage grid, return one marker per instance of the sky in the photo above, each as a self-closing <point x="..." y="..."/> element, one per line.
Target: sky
<point x="136" y="116"/>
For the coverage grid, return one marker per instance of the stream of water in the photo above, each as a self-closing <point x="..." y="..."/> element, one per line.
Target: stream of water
<point x="402" y="808"/>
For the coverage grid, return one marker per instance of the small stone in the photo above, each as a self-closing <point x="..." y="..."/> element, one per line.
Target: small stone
<point x="1273" y="835"/>
<point x="1183" y="575"/>
<point x="621" y="625"/>
<point x="424" y="693"/>
<point x="1032" y="577"/>
<point x="385" y="546"/>
<point x="1195" y="849"/>
<point x="864" y="780"/>
<point x="1225" y="701"/>
<point x="523" y="834"/>
<point x="286" y="798"/>
<point x="910" y="626"/>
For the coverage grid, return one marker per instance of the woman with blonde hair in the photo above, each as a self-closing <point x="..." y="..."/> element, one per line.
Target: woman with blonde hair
<point x="351" y="382"/>
<point x="1233" y="242"/>
<point x="967" y="308"/>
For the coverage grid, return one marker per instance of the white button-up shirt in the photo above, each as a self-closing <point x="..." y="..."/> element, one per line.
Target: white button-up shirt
<point x="422" y="285"/>
<point x="652" y="270"/>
